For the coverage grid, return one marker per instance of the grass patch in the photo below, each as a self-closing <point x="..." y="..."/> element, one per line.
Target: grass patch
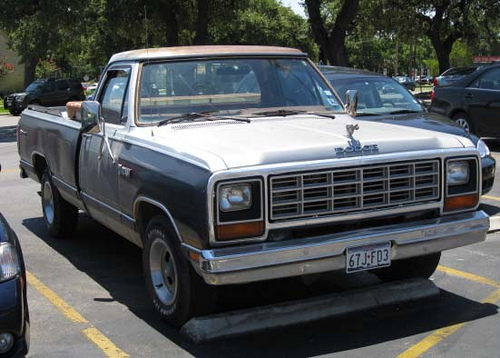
<point x="4" y="111"/>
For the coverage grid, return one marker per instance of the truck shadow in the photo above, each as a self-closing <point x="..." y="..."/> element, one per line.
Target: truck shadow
<point x="8" y="134"/>
<point x="115" y="264"/>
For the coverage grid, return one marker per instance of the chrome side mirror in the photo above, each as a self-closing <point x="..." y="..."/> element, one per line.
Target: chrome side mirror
<point x="351" y="102"/>
<point x="91" y="115"/>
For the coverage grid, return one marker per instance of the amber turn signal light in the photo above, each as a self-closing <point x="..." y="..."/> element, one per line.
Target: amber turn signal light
<point x="239" y="231"/>
<point x="461" y="202"/>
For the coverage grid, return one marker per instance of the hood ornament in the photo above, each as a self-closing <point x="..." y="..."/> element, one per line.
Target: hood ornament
<point x="350" y="128"/>
<point x="355" y="148"/>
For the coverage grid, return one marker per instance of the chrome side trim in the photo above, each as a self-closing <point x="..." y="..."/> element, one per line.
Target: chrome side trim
<point x="264" y="171"/>
<point x="63" y="183"/>
<point x="110" y="208"/>
<point x="262" y="261"/>
<point x="160" y="206"/>
<point x="28" y="164"/>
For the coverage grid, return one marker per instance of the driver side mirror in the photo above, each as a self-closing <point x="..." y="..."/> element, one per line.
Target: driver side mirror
<point x="91" y="115"/>
<point x="351" y="102"/>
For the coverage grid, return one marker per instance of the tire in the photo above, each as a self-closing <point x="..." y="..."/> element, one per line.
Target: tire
<point x="15" y="112"/>
<point x="420" y="266"/>
<point x="177" y="291"/>
<point x="61" y="218"/>
<point x="463" y="121"/>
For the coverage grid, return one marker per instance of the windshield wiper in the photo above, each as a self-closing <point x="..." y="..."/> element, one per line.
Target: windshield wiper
<point x="279" y="113"/>
<point x="290" y="112"/>
<point x="403" y="111"/>
<point x="193" y="116"/>
<point x="366" y="114"/>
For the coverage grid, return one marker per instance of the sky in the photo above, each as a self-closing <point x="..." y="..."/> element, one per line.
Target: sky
<point x="295" y="6"/>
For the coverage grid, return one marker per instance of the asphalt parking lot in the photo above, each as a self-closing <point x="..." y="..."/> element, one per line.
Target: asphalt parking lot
<point x="87" y="297"/>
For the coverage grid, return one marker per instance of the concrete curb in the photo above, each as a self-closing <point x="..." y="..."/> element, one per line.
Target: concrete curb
<point x="202" y="329"/>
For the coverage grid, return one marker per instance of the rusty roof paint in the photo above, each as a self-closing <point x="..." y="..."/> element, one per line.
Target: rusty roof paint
<point x="200" y="51"/>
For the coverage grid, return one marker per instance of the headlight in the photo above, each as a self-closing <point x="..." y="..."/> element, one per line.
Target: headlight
<point x="235" y="197"/>
<point x="20" y="98"/>
<point x="483" y="149"/>
<point x="458" y="173"/>
<point x="9" y="262"/>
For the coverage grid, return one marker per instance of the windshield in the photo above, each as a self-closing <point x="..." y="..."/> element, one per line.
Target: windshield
<point x="230" y="87"/>
<point x="378" y="95"/>
<point x="33" y="86"/>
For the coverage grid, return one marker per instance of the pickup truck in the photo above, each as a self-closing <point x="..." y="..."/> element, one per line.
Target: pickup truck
<point x="235" y="164"/>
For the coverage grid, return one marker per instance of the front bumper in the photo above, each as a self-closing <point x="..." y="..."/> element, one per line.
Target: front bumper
<point x="271" y="260"/>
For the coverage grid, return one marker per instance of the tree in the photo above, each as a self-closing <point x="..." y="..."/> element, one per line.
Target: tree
<point x="331" y="34"/>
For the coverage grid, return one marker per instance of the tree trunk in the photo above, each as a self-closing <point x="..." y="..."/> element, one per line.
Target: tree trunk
<point x="201" y="37"/>
<point x="332" y="44"/>
<point x="29" y="70"/>
<point x="169" y="9"/>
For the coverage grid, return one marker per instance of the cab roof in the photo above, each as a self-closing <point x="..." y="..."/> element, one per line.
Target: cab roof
<point x="203" y="51"/>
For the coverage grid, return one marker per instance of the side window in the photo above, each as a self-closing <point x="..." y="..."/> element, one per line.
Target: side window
<point x="48" y="87"/>
<point x="114" y="96"/>
<point x="488" y="80"/>
<point x="61" y="85"/>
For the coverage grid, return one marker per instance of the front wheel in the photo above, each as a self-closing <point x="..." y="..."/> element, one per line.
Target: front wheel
<point x="420" y="266"/>
<point x="463" y="121"/>
<point x="177" y="291"/>
<point x="15" y="112"/>
<point x="61" y="218"/>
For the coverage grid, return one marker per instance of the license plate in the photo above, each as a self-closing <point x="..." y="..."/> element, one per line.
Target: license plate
<point x="368" y="257"/>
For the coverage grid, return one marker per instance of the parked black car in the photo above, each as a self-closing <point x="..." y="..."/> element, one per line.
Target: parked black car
<point x="407" y="82"/>
<point x="472" y="102"/>
<point x="453" y="74"/>
<point x="14" y="315"/>
<point x="45" y="92"/>
<point x="382" y="99"/>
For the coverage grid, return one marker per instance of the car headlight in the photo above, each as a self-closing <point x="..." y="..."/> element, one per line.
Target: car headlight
<point x="235" y="197"/>
<point x="20" y="98"/>
<point x="458" y="173"/>
<point x="9" y="262"/>
<point x="482" y="148"/>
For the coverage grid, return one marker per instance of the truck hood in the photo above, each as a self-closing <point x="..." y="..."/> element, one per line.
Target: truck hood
<point x="297" y="138"/>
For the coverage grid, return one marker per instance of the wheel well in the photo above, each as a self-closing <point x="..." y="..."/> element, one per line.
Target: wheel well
<point x="455" y="112"/>
<point x="40" y="165"/>
<point x="145" y="212"/>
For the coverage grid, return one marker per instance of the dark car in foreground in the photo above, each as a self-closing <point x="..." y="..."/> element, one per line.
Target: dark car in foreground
<point x="382" y="99"/>
<point x="14" y="316"/>
<point x="472" y="102"/>
<point x="45" y="92"/>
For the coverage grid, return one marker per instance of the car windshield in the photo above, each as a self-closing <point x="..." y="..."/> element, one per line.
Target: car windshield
<point x="378" y="95"/>
<point x="33" y="86"/>
<point x="230" y="87"/>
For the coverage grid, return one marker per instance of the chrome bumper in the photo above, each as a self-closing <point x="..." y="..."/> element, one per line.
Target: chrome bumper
<point x="264" y="261"/>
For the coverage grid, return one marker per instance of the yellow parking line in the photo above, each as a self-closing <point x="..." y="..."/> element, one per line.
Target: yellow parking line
<point x="60" y="304"/>
<point x="9" y="170"/>
<point x="437" y="336"/>
<point x="468" y="276"/>
<point x="92" y="333"/>
<point x="491" y="197"/>
<point x="104" y="343"/>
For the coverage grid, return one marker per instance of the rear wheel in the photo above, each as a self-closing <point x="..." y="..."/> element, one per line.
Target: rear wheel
<point x="420" y="266"/>
<point x="177" y="291"/>
<point x="61" y="218"/>
<point x="463" y="121"/>
<point x="15" y="112"/>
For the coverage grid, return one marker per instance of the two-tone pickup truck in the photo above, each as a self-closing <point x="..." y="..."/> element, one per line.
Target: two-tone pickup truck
<point x="235" y="164"/>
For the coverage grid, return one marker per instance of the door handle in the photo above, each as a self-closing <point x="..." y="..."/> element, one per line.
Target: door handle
<point x="86" y="135"/>
<point x="23" y="132"/>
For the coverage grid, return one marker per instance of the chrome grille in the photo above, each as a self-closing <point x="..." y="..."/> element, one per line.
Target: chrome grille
<point x="340" y="191"/>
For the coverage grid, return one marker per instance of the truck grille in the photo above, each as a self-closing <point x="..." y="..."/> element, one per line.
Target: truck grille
<point x="338" y="191"/>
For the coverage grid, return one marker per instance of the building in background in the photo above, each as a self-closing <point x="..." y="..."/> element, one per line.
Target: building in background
<point x="12" y="81"/>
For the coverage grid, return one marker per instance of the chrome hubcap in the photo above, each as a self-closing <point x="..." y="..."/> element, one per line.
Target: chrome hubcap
<point x="163" y="274"/>
<point x="463" y="123"/>
<point x="48" y="203"/>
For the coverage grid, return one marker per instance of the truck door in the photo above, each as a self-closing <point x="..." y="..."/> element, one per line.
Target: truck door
<point x="98" y="167"/>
